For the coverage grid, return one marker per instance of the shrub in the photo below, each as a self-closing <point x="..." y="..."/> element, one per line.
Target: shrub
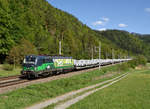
<point x="104" y="70"/>
<point x="132" y="64"/>
<point x="139" y="60"/>
<point x="123" y="66"/>
<point x="8" y="67"/>
<point x="142" y="60"/>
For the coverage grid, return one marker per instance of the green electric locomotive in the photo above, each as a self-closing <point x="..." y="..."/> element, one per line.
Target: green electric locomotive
<point x="35" y="66"/>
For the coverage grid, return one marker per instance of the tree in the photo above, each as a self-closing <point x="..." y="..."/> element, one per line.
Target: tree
<point x="18" y="52"/>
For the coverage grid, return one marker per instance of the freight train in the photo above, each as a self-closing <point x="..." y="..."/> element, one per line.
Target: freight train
<point x="36" y="65"/>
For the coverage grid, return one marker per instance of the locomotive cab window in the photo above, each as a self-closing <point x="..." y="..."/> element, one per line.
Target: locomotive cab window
<point x="29" y="60"/>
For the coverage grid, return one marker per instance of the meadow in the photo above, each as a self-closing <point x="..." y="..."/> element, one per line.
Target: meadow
<point x="5" y="73"/>
<point x="133" y="92"/>
<point x="39" y="92"/>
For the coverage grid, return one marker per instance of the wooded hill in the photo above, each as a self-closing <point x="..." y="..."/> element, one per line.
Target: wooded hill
<point x="35" y="27"/>
<point x="145" y="38"/>
<point x="134" y="43"/>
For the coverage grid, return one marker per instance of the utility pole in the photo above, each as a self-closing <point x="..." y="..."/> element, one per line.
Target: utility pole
<point x="99" y="52"/>
<point x="106" y="55"/>
<point x="92" y="52"/>
<point x="120" y="55"/>
<point x="112" y="55"/>
<point x="99" y="55"/>
<point x="59" y="47"/>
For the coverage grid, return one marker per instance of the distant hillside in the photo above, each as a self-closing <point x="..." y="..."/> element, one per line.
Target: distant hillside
<point x="134" y="43"/>
<point x="44" y="26"/>
<point x="145" y="38"/>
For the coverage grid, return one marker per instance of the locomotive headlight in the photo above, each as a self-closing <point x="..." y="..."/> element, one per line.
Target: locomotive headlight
<point x="48" y="67"/>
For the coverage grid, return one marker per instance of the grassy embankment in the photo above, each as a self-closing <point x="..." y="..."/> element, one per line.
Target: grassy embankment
<point x="132" y="92"/>
<point x="5" y="73"/>
<point x="39" y="92"/>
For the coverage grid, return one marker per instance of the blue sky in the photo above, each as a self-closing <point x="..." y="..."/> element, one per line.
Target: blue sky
<point x="129" y="15"/>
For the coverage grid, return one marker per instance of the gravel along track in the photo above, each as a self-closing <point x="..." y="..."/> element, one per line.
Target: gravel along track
<point x="9" y="78"/>
<point x="71" y="94"/>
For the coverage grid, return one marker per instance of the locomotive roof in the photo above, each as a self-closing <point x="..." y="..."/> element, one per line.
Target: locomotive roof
<point x="52" y="57"/>
<point x="60" y="57"/>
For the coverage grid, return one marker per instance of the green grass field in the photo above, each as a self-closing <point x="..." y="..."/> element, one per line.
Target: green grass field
<point x="4" y="73"/>
<point x="39" y="92"/>
<point x="133" y="92"/>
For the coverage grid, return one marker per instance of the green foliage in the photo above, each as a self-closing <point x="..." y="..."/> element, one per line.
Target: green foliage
<point x="8" y="67"/>
<point x="127" y="41"/>
<point x="44" y="26"/>
<point x="139" y="60"/>
<point x="123" y="66"/>
<point x="132" y="64"/>
<point x="17" y="53"/>
<point x="5" y="73"/>
<point x="124" y="40"/>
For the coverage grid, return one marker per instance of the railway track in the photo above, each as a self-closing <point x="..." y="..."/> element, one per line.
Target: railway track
<point x="14" y="82"/>
<point x="9" y="77"/>
<point x="11" y="80"/>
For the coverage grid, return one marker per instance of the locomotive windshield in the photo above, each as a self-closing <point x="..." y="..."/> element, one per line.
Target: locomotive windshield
<point x="30" y="60"/>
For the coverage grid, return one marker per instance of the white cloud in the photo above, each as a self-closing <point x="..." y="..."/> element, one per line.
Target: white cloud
<point x="102" y="29"/>
<point x="147" y="9"/>
<point x="98" y="23"/>
<point x="101" y="22"/>
<point x="122" y="25"/>
<point x="105" y="19"/>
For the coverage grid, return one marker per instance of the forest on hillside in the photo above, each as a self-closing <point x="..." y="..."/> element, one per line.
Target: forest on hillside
<point x="31" y="27"/>
<point x="128" y="41"/>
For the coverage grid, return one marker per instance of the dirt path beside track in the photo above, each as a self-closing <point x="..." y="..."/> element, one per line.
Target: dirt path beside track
<point x="76" y="99"/>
